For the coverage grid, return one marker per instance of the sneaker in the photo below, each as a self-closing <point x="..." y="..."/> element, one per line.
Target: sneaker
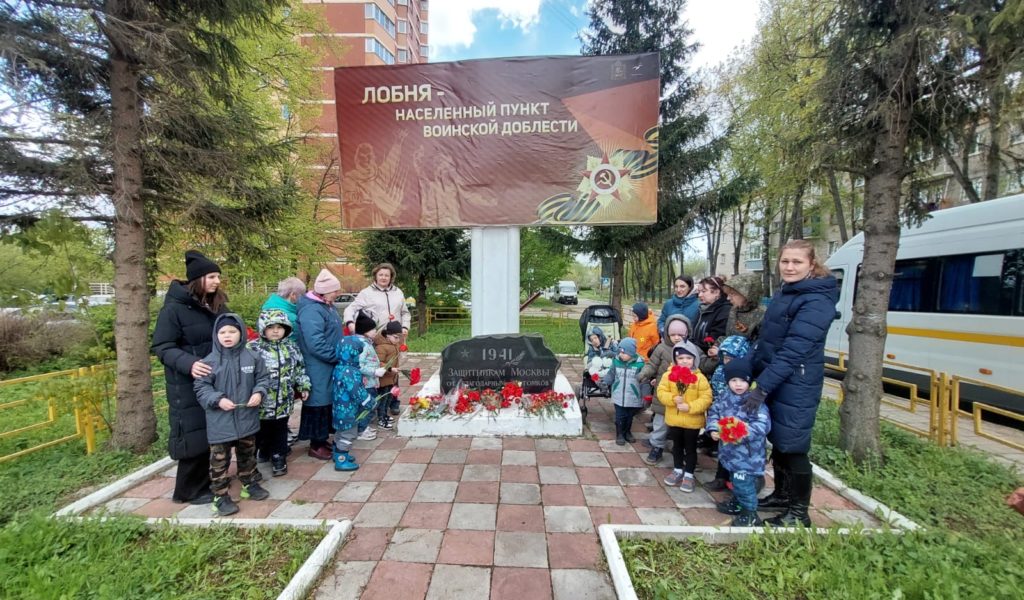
<point x="654" y="456"/>
<point x="673" y="479"/>
<point x="321" y="453"/>
<point x="280" y="466"/>
<point x="687" y="485"/>
<point x="254" y="491"/>
<point x="368" y="434"/>
<point x="223" y="506"/>
<point x="746" y="519"/>
<point x="292" y="438"/>
<point x="386" y="422"/>
<point x="729" y="507"/>
<point x="716" y="485"/>
<point x="344" y="461"/>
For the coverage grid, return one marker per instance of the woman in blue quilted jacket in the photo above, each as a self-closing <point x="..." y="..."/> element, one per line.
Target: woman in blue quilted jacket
<point x="789" y="365"/>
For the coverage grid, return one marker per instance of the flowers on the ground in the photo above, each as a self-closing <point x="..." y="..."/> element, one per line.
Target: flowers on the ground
<point x="732" y="430"/>
<point x="462" y="402"/>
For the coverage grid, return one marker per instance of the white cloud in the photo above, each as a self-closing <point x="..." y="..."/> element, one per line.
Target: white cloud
<point x="720" y="32"/>
<point x="451" y="21"/>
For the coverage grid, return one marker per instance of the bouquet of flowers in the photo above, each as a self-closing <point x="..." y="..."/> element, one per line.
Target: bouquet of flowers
<point x="513" y="392"/>
<point x="732" y="430"/>
<point x="413" y="376"/>
<point x="682" y="377"/>
<point x="546" y="404"/>
<point x="598" y="367"/>
<point x="427" y="407"/>
<point x="492" y="401"/>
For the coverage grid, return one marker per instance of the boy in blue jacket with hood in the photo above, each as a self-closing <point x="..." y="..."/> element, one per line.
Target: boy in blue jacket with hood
<point x="744" y="458"/>
<point x="232" y="394"/>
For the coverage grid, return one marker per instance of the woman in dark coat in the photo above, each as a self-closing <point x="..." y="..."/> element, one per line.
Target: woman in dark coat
<point x="713" y="318"/>
<point x="182" y="337"/>
<point x="790" y="365"/>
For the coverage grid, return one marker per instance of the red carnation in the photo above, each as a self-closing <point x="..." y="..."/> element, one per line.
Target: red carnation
<point x="565" y="405"/>
<point x="414" y="376"/>
<point x="709" y="340"/>
<point x="595" y="378"/>
<point x="403" y="348"/>
<point x="648" y="399"/>
<point x="732" y="430"/>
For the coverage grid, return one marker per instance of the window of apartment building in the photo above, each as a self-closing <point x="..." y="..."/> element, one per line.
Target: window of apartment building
<point x="403" y="26"/>
<point x="375" y="47"/>
<point x="423" y="27"/>
<point x="977" y="184"/>
<point x="832" y="247"/>
<point x="374" y="12"/>
<point x="424" y="6"/>
<point x="424" y="51"/>
<point x="1013" y="183"/>
<point x="1017" y="135"/>
<point x="403" y="55"/>
<point x="755" y="251"/>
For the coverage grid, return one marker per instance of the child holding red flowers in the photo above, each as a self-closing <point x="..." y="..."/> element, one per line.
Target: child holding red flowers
<point x="686" y="395"/>
<point x="388" y="347"/>
<point x="743" y="435"/>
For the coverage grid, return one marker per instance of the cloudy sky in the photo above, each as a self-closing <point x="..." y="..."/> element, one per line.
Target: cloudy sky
<point x="461" y="29"/>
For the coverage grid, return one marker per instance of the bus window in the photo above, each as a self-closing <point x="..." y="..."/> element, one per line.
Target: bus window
<point x="986" y="284"/>
<point x="838" y="274"/>
<point x="910" y="286"/>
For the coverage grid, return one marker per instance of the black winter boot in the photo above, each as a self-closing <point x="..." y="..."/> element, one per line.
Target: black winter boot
<point x="747" y="518"/>
<point x="280" y="467"/>
<point x="800" y="499"/>
<point x="779" y="498"/>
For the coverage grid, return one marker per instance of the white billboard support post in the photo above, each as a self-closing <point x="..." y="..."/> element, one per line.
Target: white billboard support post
<point x="495" y="280"/>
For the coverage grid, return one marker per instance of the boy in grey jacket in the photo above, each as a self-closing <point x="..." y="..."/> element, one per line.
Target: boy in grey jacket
<point x="624" y="383"/>
<point x="232" y="394"/>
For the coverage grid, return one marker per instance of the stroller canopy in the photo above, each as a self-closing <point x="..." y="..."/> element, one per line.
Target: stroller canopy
<point x="598" y="314"/>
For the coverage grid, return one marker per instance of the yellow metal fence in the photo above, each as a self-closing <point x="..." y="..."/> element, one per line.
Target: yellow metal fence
<point x="942" y="403"/>
<point x="55" y="408"/>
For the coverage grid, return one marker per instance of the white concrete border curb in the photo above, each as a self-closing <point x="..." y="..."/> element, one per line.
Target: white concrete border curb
<point x="866" y="503"/>
<point x="114" y="489"/>
<point x="301" y="582"/>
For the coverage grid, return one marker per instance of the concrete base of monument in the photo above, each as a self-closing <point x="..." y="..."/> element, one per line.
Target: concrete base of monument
<point x="504" y="422"/>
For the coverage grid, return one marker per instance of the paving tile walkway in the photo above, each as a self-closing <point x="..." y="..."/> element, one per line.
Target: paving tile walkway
<point x="479" y="517"/>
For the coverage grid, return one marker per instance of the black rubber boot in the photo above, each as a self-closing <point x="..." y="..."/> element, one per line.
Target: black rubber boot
<point x="800" y="499"/>
<point x="620" y="433"/>
<point x="747" y="518"/>
<point x="779" y="498"/>
<point x="280" y="467"/>
<point x="628" y="435"/>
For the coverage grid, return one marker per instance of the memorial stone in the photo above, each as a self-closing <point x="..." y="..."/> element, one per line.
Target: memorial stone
<point x="490" y="361"/>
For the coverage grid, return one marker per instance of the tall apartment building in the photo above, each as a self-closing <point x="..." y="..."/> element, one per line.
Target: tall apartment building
<point x="378" y="32"/>
<point x="936" y="186"/>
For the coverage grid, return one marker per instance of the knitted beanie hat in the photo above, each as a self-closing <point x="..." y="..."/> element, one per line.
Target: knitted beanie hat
<point x="197" y="265"/>
<point x="326" y="283"/>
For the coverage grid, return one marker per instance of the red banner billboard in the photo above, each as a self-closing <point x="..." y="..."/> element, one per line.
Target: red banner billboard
<point x="516" y="141"/>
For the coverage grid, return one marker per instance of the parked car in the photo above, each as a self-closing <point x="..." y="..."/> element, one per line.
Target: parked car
<point x="343" y="301"/>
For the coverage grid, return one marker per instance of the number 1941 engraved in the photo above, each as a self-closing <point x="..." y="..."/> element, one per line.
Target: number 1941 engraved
<point x="497" y="354"/>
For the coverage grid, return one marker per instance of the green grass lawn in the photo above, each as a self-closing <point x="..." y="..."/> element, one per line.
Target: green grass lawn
<point x="972" y="547"/>
<point x="121" y="557"/>
<point x="124" y="558"/>
<point x="562" y="336"/>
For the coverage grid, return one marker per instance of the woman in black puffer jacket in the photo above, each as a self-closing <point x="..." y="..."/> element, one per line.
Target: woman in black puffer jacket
<point x="713" y="318"/>
<point x="182" y="337"/>
<point x="789" y="364"/>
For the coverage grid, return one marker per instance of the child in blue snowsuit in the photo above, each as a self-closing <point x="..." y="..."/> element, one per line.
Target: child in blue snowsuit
<point x="347" y="396"/>
<point x="745" y="458"/>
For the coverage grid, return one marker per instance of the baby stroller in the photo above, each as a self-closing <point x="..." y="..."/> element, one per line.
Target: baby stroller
<point x="609" y="321"/>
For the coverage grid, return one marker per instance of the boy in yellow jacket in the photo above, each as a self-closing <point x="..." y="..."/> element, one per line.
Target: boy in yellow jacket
<point x="686" y="394"/>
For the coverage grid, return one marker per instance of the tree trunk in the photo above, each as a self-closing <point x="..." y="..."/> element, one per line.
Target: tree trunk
<point x="135" y="425"/>
<point x="618" y="277"/>
<point x="990" y="185"/>
<point x="421" y="302"/>
<point x="862" y="387"/>
<point x="837" y="206"/>
<point x="960" y="175"/>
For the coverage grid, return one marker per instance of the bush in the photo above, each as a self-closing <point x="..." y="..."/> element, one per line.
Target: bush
<point x="27" y="340"/>
<point x="247" y="305"/>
